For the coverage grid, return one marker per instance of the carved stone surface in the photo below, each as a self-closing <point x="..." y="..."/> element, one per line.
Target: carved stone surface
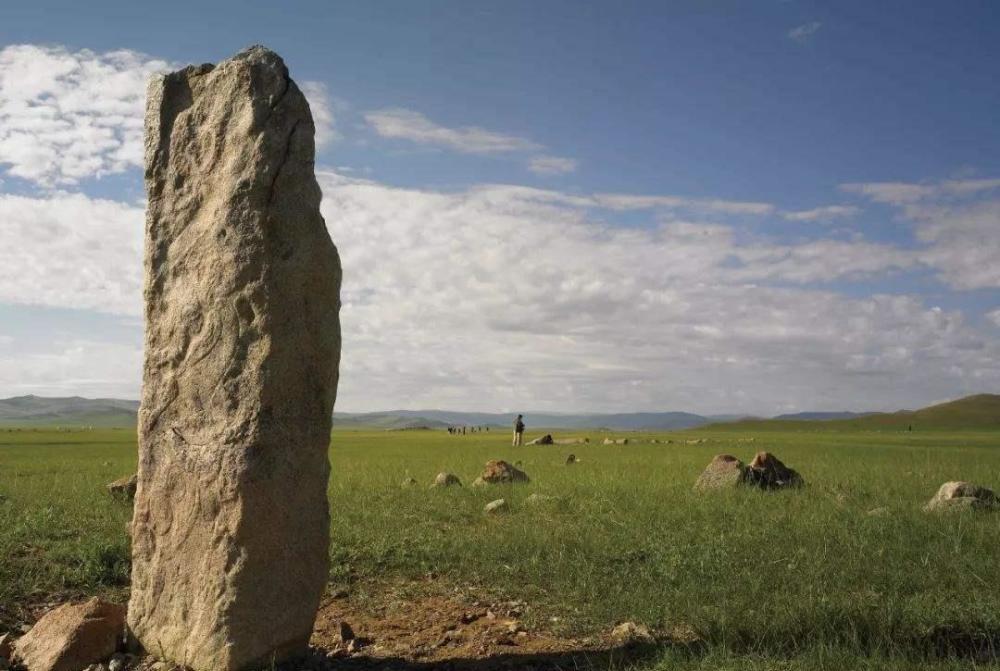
<point x="231" y="527"/>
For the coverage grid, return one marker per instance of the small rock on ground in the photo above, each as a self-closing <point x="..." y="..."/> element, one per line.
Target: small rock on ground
<point x="72" y="636"/>
<point x="956" y="496"/>
<point x="630" y="633"/>
<point x="446" y="480"/>
<point x="496" y="507"/>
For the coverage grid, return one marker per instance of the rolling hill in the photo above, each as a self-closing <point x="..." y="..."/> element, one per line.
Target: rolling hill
<point x="981" y="411"/>
<point x="68" y="411"/>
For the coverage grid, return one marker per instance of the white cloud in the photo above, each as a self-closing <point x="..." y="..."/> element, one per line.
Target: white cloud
<point x="994" y="316"/>
<point x="551" y="165"/>
<point x="958" y="222"/>
<point x="618" y="201"/>
<point x="822" y="213"/>
<point x="70" y="367"/>
<point x="71" y="251"/>
<point x="322" y="112"/>
<point x="404" y="124"/>
<point x="500" y="297"/>
<point x="65" y="116"/>
<point x="804" y="32"/>
<point x="904" y="193"/>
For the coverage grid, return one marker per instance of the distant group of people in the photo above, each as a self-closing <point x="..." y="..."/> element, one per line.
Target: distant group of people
<point x="518" y="430"/>
<point x="461" y="430"/>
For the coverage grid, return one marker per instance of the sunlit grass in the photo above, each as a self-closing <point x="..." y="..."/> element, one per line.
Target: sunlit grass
<point x="787" y="575"/>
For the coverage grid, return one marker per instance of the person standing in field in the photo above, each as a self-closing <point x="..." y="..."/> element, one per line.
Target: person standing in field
<point x="519" y="431"/>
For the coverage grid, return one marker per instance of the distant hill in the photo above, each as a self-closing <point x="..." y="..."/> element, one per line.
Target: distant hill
<point x="68" y="411"/>
<point x="981" y="411"/>
<point x="107" y="412"/>
<point x="443" y="418"/>
<point x="821" y="416"/>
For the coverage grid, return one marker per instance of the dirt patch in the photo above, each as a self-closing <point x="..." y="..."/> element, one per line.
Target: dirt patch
<point x="403" y="630"/>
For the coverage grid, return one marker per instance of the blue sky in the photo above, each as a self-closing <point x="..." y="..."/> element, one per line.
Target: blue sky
<point x="780" y="205"/>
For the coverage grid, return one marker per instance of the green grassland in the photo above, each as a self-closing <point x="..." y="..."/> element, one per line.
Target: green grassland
<point x="798" y="579"/>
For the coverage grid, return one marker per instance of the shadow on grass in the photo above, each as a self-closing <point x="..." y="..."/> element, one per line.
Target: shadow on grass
<point x="596" y="659"/>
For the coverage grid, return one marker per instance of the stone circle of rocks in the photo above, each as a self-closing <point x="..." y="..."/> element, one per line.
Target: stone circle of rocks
<point x="498" y="471"/>
<point x="957" y="496"/>
<point x="542" y="440"/>
<point x="445" y="479"/>
<point x="766" y="471"/>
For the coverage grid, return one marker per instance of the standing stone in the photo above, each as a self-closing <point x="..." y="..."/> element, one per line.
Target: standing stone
<point x="231" y="527"/>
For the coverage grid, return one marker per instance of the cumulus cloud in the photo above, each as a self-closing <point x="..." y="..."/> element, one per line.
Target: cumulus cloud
<point x="71" y="251"/>
<point x="551" y="165"/>
<point x="958" y="222"/>
<point x="404" y="124"/>
<point x="994" y="316"/>
<point x="804" y="32"/>
<point x="822" y="213"/>
<point x="322" y="112"/>
<point x="66" y="116"/>
<point x="619" y="201"/>
<point x="71" y="366"/>
<point x="509" y="297"/>
<point x="514" y="298"/>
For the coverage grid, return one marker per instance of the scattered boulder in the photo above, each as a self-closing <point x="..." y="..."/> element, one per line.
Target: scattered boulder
<point x="72" y="636"/>
<point x="445" y="479"/>
<point x="124" y="488"/>
<point x="962" y="496"/>
<point x="542" y="440"/>
<point x="630" y="634"/>
<point x="768" y="472"/>
<point x="499" y="471"/>
<point x="571" y="459"/>
<point x="724" y="472"/>
<point x="572" y="441"/>
<point x="496" y="507"/>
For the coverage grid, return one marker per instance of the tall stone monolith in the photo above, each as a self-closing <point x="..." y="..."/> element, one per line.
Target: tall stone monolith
<point x="231" y="527"/>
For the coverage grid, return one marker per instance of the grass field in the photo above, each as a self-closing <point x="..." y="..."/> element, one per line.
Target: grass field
<point x="789" y="580"/>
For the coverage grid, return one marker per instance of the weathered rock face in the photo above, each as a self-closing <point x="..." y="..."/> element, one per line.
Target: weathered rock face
<point x="444" y="479"/>
<point x="72" y="636"/>
<point x="123" y="488"/>
<point x="230" y="530"/>
<point x="768" y="472"/>
<point x="498" y="471"/>
<point x="723" y="472"/>
<point x="962" y="496"/>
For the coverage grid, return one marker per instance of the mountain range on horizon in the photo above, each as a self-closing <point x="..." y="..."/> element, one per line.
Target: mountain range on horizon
<point x="975" y="411"/>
